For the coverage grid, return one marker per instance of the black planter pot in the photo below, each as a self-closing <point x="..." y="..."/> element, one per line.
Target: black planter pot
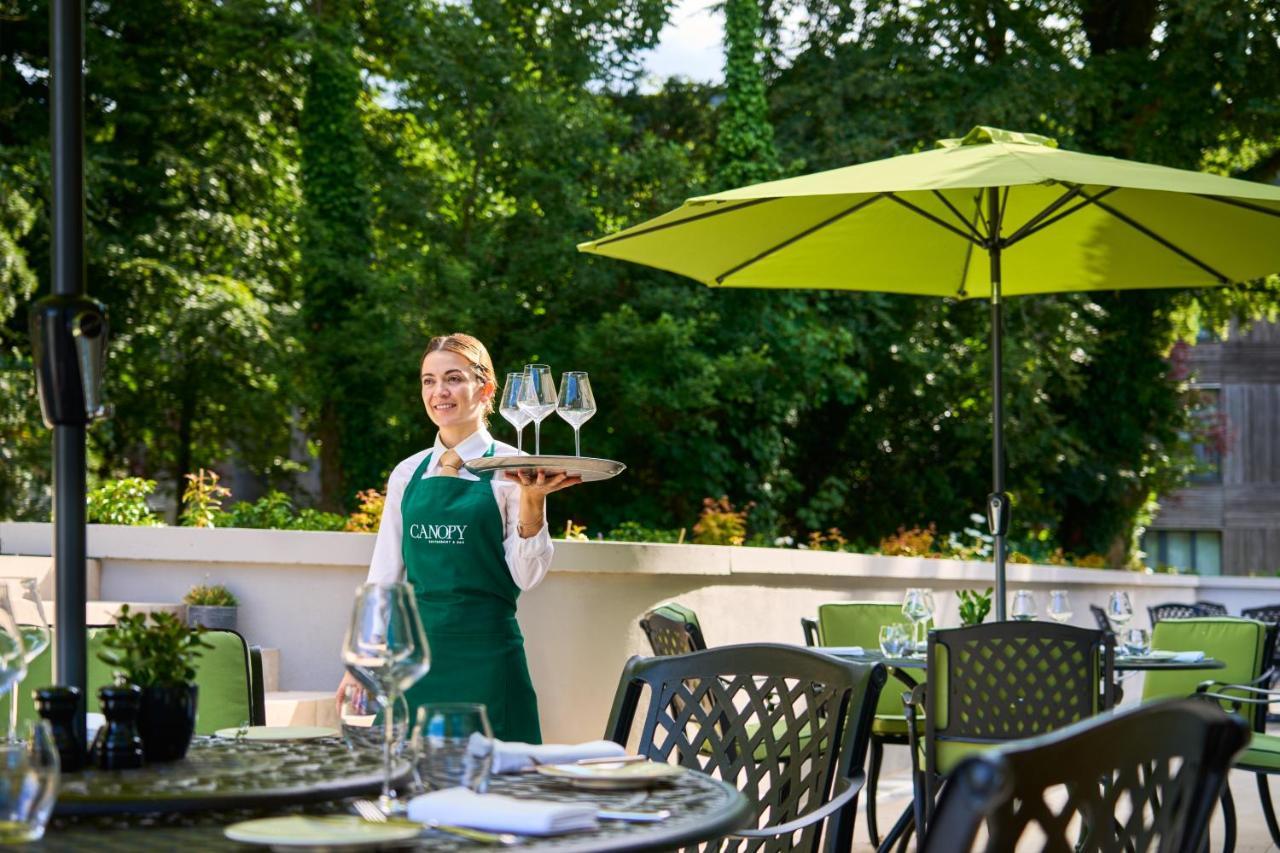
<point x="166" y="721"/>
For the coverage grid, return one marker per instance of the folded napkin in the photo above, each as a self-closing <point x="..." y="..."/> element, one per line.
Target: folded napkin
<point x="513" y="757"/>
<point x="843" y="650"/>
<point x="496" y="813"/>
<point x="1188" y="657"/>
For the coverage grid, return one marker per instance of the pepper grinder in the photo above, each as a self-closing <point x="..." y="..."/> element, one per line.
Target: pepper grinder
<point x="59" y="706"/>
<point x="117" y="746"/>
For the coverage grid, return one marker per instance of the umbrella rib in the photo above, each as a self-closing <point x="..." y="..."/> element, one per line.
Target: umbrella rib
<point x="937" y="221"/>
<point x="1180" y="252"/>
<point x="805" y="233"/>
<point x="1063" y="215"/>
<point x="719" y="210"/>
<point x="967" y="224"/>
<point x="1031" y="223"/>
<point x="1256" y="208"/>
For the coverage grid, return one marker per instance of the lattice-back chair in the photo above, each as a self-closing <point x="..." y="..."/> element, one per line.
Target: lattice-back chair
<point x="1213" y="608"/>
<point x="990" y="684"/>
<point x="1182" y="610"/>
<point x="810" y="628"/>
<point x="787" y="726"/>
<point x="1243" y="645"/>
<point x="858" y="623"/>
<point x="1270" y="614"/>
<point x="1164" y="765"/>
<point x="673" y="629"/>
<point x="1100" y="616"/>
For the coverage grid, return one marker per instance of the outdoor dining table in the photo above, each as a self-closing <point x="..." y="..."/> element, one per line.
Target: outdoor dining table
<point x="187" y="804"/>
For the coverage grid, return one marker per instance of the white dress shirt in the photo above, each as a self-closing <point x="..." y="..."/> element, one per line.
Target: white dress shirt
<point x="527" y="559"/>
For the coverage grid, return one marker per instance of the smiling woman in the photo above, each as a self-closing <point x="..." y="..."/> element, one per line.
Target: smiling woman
<point x="468" y="544"/>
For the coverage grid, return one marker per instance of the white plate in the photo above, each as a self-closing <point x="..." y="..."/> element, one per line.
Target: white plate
<point x="321" y="831"/>
<point x="586" y="467"/>
<point x="278" y="732"/>
<point x="612" y="777"/>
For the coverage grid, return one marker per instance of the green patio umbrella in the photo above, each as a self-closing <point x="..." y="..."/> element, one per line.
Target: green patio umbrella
<point x="996" y="213"/>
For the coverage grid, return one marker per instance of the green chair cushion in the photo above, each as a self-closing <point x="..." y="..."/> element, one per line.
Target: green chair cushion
<point x="1239" y="643"/>
<point x="894" y="725"/>
<point x="1262" y="755"/>
<point x="857" y="623"/>
<point x="952" y="752"/>
<point x="678" y="613"/>
<point x="222" y="675"/>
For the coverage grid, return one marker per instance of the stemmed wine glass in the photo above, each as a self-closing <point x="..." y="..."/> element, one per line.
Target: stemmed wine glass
<point x="386" y="650"/>
<point x="510" y="407"/>
<point x="537" y="399"/>
<point x="918" y="607"/>
<point x="1024" y="606"/>
<point x="13" y="659"/>
<point x="1119" y="609"/>
<point x="577" y="403"/>
<point x="24" y="597"/>
<point x="1059" y="605"/>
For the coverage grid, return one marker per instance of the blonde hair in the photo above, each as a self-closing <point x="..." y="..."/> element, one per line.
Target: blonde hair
<point x="473" y="351"/>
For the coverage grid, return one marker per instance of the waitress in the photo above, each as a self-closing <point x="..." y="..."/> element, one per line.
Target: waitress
<point x="467" y="544"/>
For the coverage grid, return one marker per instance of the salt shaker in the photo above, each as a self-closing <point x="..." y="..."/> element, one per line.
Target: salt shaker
<point x="117" y="746"/>
<point x="59" y="706"/>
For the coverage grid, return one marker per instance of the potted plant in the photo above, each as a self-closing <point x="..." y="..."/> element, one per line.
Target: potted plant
<point x="160" y="659"/>
<point x="974" y="606"/>
<point x="211" y="606"/>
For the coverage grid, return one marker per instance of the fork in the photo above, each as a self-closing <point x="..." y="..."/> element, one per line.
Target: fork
<point x="369" y="810"/>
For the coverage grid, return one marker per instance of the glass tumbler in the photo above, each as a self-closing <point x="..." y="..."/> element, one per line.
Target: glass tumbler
<point x="28" y="784"/>
<point x="1137" y="641"/>
<point x="453" y="746"/>
<point x="894" y="639"/>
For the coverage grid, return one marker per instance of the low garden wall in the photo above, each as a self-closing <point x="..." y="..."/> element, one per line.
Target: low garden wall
<point x="580" y="625"/>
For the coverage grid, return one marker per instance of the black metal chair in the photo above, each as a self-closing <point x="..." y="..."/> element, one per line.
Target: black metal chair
<point x="1100" y="616"/>
<point x="991" y="684"/>
<point x="787" y="726"/>
<point x="1269" y="613"/>
<point x="810" y="628"/>
<point x="1184" y="610"/>
<point x="1168" y="762"/>
<point x="673" y="629"/>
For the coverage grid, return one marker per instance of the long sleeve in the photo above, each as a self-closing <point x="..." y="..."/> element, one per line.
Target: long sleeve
<point x="387" y="565"/>
<point x="527" y="559"/>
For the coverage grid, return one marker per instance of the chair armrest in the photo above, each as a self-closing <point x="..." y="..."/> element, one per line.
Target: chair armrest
<point x="810" y="627"/>
<point x="257" y="694"/>
<point x="850" y="789"/>
<point x="1208" y="688"/>
<point x="913" y="703"/>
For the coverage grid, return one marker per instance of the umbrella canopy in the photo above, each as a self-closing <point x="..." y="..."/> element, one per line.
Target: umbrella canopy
<point x="995" y="213"/>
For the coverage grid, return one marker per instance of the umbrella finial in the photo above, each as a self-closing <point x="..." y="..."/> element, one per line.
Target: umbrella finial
<point x="983" y="135"/>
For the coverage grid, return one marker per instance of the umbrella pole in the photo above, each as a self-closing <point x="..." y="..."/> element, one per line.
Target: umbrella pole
<point x="998" y="500"/>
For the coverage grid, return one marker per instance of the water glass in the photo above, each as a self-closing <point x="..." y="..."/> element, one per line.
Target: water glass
<point x="917" y="606"/>
<point x="510" y="409"/>
<point x="453" y="746"/>
<point x="1024" y="606"/>
<point x="1060" y="606"/>
<point x="577" y="404"/>
<point x="1119" y="609"/>
<point x="1137" y="641"/>
<point x="894" y="639"/>
<point x="537" y="399"/>
<point x="28" y="784"/>
<point x="361" y="720"/>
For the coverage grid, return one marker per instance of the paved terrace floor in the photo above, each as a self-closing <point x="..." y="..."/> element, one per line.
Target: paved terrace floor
<point x="1251" y="828"/>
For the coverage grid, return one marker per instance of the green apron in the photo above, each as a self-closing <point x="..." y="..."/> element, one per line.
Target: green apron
<point x="453" y="555"/>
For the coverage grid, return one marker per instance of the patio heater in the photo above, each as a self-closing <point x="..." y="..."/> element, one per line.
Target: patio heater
<point x="68" y="336"/>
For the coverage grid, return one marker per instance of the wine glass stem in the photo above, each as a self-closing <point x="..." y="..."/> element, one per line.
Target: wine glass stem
<point x="13" y="711"/>
<point x="537" y="438"/>
<point x="388" y="739"/>
<point x="577" y="443"/>
<point x="520" y="439"/>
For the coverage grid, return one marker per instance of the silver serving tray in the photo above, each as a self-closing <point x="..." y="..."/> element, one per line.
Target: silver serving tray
<point x="588" y="468"/>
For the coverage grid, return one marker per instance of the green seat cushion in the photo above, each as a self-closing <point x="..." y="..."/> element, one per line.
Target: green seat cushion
<point x="894" y="725"/>
<point x="222" y="676"/>
<point x="678" y="613"/>
<point x="857" y="623"/>
<point x="1239" y="643"/>
<point x="1262" y="754"/>
<point x="952" y="752"/>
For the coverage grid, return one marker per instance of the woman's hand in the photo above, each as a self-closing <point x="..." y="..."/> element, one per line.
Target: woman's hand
<point x="348" y="688"/>
<point x="538" y="486"/>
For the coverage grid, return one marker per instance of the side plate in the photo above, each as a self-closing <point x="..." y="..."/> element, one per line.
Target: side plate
<point x="588" y="468"/>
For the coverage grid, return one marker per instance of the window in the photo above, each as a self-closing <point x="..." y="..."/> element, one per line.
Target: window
<point x="1198" y="551"/>
<point x="1209" y="434"/>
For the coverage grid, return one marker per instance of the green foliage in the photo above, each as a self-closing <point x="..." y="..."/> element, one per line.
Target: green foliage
<point x="630" y="531"/>
<point x="974" y="606"/>
<point x="161" y="654"/>
<point x="275" y="511"/>
<point x="720" y="523"/>
<point x="744" y="141"/>
<point x="202" y="499"/>
<point x="368" y="514"/>
<point x="122" y="502"/>
<point x="214" y="595"/>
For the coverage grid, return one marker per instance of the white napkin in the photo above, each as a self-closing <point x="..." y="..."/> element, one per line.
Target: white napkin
<point x="1188" y="657"/>
<point x="842" y="650"/>
<point x="513" y="757"/>
<point x="93" y="722"/>
<point x="496" y="813"/>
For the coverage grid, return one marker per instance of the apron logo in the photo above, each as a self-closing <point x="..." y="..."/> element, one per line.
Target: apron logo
<point x="439" y="534"/>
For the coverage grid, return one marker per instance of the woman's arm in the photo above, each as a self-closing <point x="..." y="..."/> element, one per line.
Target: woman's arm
<point x="527" y="542"/>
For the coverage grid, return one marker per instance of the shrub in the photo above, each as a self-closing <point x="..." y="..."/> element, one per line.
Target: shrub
<point x="161" y="654"/>
<point x="974" y="606"/>
<point x="122" y="502"/>
<point x="202" y="499"/>
<point x="720" y="523"/>
<point x="915" y="542"/>
<point x="368" y="516"/>
<point x="215" y="595"/>
<point x="833" y="540"/>
<point x="631" y="531"/>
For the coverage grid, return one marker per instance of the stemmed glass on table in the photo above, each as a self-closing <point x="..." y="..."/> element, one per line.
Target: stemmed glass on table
<point x="24" y="599"/>
<point x="1060" y="606"/>
<point x="29" y="770"/>
<point x="918" y="607"/>
<point x="510" y="407"/>
<point x="1119" y="610"/>
<point x="537" y="399"/>
<point x="386" y="650"/>
<point x="577" y="403"/>
<point x="1023" y="608"/>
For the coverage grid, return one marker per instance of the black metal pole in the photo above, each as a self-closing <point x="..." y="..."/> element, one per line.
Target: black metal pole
<point x="66" y="83"/>
<point x="998" y="500"/>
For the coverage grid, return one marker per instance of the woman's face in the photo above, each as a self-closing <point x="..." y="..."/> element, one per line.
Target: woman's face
<point x="450" y="391"/>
